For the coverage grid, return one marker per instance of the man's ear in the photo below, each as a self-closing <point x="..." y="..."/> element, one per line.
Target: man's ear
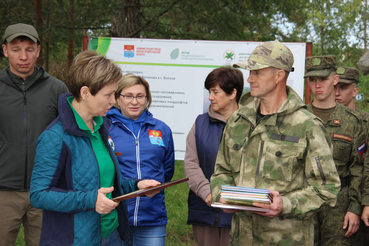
<point x="355" y="92"/>
<point x="336" y="78"/>
<point x="5" y="50"/>
<point x="280" y="74"/>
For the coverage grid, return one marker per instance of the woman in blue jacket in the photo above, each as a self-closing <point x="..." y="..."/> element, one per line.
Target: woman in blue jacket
<point x="144" y="147"/>
<point x="76" y="173"/>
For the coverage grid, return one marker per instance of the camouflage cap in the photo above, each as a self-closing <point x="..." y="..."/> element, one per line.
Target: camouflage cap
<point x="348" y="75"/>
<point x="269" y="54"/>
<point x="320" y="66"/>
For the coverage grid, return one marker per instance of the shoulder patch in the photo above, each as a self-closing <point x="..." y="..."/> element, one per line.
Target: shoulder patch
<point x="336" y="122"/>
<point x="362" y="150"/>
<point x="343" y="137"/>
<point x="111" y="143"/>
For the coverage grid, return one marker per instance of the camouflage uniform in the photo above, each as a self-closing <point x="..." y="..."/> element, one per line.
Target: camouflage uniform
<point x="347" y="134"/>
<point x="345" y="130"/>
<point x="287" y="152"/>
<point x="348" y="76"/>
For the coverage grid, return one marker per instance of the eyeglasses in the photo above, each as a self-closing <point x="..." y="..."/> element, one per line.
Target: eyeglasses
<point x="139" y="98"/>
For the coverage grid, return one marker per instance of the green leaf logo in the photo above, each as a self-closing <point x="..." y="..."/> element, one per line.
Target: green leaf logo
<point x="229" y="55"/>
<point x="174" y="54"/>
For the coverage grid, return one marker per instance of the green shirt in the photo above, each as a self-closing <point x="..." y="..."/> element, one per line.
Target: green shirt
<point x="109" y="222"/>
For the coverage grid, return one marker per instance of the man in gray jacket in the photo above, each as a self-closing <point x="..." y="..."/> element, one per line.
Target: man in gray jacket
<point x="28" y="103"/>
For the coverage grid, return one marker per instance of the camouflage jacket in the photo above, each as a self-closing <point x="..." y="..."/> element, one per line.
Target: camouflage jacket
<point x="365" y="184"/>
<point x="347" y="133"/>
<point x="288" y="152"/>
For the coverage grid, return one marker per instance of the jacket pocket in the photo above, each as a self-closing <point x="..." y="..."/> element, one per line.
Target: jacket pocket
<point x="280" y="161"/>
<point x="341" y="152"/>
<point x="236" y="150"/>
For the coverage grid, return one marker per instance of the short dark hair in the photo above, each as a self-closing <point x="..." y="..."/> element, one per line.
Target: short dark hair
<point x="227" y="78"/>
<point x="91" y="70"/>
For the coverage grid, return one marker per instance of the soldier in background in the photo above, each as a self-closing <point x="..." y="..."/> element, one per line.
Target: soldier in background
<point x="346" y="91"/>
<point x="337" y="225"/>
<point x="273" y="142"/>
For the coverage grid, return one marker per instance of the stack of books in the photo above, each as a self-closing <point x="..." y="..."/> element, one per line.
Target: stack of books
<point x="243" y="198"/>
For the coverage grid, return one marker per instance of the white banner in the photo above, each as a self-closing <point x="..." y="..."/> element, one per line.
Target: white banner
<point x="176" y="71"/>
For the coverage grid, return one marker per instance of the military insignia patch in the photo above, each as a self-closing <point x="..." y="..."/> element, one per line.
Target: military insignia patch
<point x="343" y="137"/>
<point x="362" y="150"/>
<point x="340" y="70"/>
<point x="337" y="122"/>
<point x="316" y="61"/>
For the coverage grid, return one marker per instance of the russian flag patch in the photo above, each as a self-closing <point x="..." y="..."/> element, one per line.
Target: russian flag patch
<point x="362" y="150"/>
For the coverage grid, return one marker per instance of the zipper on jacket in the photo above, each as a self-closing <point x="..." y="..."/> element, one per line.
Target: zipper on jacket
<point x="260" y="155"/>
<point x="137" y="143"/>
<point x="317" y="161"/>
<point x="26" y="139"/>
<point x="135" y="215"/>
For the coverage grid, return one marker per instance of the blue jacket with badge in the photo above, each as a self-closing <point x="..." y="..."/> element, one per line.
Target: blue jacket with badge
<point x="149" y="154"/>
<point x="65" y="181"/>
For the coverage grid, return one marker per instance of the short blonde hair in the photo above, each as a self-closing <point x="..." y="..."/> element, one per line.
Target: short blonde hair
<point x="91" y="70"/>
<point x="129" y="80"/>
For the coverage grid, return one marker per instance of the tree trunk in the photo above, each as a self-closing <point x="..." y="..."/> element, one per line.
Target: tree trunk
<point x="40" y="59"/>
<point x="71" y="34"/>
<point x="126" y="19"/>
<point x="365" y="20"/>
<point x="47" y="37"/>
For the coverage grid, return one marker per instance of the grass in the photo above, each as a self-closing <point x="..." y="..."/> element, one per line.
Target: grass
<point x="178" y="232"/>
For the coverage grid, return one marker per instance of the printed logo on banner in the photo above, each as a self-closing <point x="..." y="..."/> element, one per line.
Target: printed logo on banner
<point x="229" y="55"/>
<point x="129" y="51"/>
<point x="156" y="137"/>
<point x="174" y="54"/>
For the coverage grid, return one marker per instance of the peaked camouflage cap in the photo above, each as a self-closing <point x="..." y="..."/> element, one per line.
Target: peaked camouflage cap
<point x="320" y="66"/>
<point x="269" y="54"/>
<point x="348" y="75"/>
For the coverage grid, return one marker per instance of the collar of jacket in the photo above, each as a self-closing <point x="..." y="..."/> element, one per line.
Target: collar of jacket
<point x="40" y="77"/>
<point x="69" y="122"/>
<point x="249" y="105"/>
<point x="114" y="115"/>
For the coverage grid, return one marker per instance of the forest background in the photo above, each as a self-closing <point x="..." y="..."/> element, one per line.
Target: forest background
<point x="337" y="27"/>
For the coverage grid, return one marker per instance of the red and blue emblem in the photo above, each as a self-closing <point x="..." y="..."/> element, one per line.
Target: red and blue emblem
<point x="129" y="51"/>
<point x="156" y="137"/>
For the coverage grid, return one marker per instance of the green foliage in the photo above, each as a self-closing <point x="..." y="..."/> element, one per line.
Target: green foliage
<point x="364" y="88"/>
<point x="178" y="232"/>
<point x="218" y="20"/>
<point x="329" y="24"/>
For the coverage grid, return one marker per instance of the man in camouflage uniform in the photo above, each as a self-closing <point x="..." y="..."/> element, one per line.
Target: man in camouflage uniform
<point x="346" y="88"/>
<point x="273" y="142"/>
<point x="335" y="226"/>
<point x="346" y="91"/>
